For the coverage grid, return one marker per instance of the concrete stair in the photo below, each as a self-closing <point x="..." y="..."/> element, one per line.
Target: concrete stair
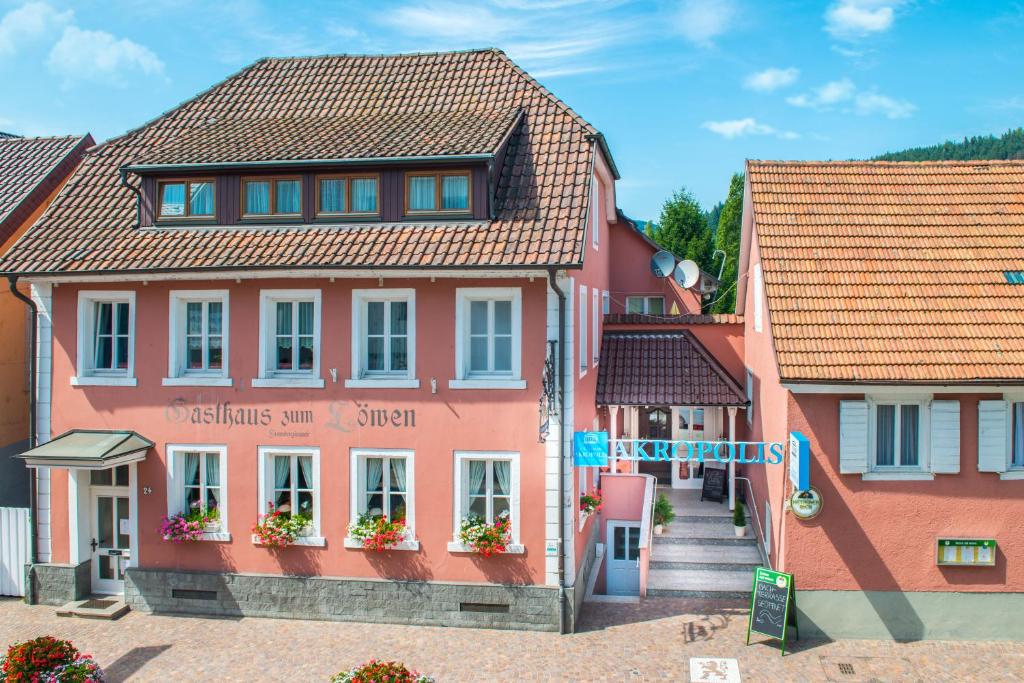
<point x="699" y="555"/>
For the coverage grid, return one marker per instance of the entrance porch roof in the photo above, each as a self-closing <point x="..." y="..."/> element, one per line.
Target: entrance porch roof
<point x="89" y="449"/>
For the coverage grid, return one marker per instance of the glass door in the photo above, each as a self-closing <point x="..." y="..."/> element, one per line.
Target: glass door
<point x="690" y="427"/>
<point x="111" y="548"/>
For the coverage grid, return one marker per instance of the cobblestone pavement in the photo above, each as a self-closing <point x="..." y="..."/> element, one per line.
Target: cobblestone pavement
<point x="646" y="642"/>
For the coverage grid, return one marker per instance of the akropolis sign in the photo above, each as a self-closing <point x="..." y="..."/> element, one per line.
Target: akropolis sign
<point x="592" y="449"/>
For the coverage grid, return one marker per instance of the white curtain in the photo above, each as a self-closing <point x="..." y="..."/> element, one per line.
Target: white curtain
<point x="201" y="201"/>
<point x="503" y="477"/>
<point x="374" y="474"/>
<point x="364" y="195"/>
<point x="191" y="468"/>
<point x="454" y="192"/>
<point x="306" y="466"/>
<point x="288" y="196"/>
<point x="257" y="197"/>
<point x="477" y="473"/>
<point x="332" y="195"/>
<point x="212" y="480"/>
<point x="421" y="193"/>
<point x="398" y="474"/>
<point x="282" y="468"/>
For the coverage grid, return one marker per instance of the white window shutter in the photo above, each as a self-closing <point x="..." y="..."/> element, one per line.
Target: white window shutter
<point x="853" y="437"/>
<point x="993" y="435"/>
<point x="945" y="437"/>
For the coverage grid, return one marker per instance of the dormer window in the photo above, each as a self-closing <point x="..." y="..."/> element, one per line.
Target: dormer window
<point x="271" y="197"/>
<point x="347" y="195"/>
<point x="186" y="198"/>
<point x="437" y="192"/>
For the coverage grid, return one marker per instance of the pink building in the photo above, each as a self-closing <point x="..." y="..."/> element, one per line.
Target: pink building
<point x="342" y="288"/>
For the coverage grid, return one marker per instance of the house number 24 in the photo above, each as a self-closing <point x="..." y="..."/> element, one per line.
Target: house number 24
<point x="146" y="490"/>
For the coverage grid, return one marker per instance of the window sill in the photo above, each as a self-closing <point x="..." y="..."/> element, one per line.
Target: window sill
<point x="1012" y="475"/>
<point x="487" y="384"/>
<point x="897" y="476"/>
<point x="221" y="536"/>
<point x="382" y="383"/>
<point x="308" y="541"/>
<point x="98" y="381"/>
<point x="288" y="383"/>
<point x="197" y="381"/>
<point x="356" y="544"/>
<point x="458" y="547"/>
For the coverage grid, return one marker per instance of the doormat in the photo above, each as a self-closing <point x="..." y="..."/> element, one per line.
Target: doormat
<point x="714" y="670"/>
<point x="867" y="669"/>
<point x="97" y="604"/>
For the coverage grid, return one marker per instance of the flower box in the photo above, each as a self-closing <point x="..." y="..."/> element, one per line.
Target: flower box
<point x="280" y="529"/>
<point x="486" y="539"/>
<point x="379" y="534"/>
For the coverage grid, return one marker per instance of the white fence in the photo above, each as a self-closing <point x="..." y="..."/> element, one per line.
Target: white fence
<point x="14" y="550"/>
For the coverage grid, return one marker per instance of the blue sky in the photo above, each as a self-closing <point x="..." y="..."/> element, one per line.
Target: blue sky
<point x="684" y="91"/>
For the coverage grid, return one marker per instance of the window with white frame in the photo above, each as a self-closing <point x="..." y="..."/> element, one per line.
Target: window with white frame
<point x="382" y="485"/>
<point x="383" y="335"/>
<point x="197" y="485"/>
<point x="645" y="305"/>
<point x="290" y="483"/>
<point x="583" y="331"/>
<point x="290" y="339"/>
<point x="106" y="338"/>
<point x="596" y="325"/>
<point x="897" y="434"/>
<point x="198" y="337"/>
<point x="595" y="213"/>
<point x="1017" y="451"/>
<point x="488" y="331"/>
<point x="487" y="487"/>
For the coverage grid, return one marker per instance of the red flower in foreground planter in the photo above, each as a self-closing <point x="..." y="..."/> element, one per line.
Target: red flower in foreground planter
<point x="590" y="502"/>
<point x="486" y="539"/>
<point x="381" y="672"/>
<point x="378" y="533"/>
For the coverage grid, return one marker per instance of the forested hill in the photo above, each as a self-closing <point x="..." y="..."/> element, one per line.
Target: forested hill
<point x="1009" y="145"/>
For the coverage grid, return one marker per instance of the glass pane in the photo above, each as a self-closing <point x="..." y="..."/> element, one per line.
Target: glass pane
<point x="398" y="510"/>
<point x="502" y="477"/>
<point x="399" y="354"/>
<point x="306" y="502"/>
<point x="503" y="354"/>
<point x="284" y="353"/>
<point x="282" y="472"/>
<point x="478" y="506"/>
<point x="289" y="196"/>
<point x="375" y="354"/>
<point x="885" y="432"/>
<point x="122" y="353"/>
<point x="105" y="521"/>
<point x="375" y="483"/>
<point x="634" y="544"/>
<point x="283" y="501"/>
<point x="1018" y="434"/>
<point x="257" y="197"/>
<point x="634" y="304"/>
<point x="909" y="427"/>
<point x="397" y="474"/>
<point x="656" y="305"/>
<point x="215" y="310"/>
<point x="106" y="567"/>
<point x="364" y="195"/>
<point x="284" y="317"/>
<point x="101" y="477"/>
<point x="478" y="354"/>
<point x="454" y="192"/>
<point x="375" y="504"/>
<point x="195" y="353"/>
<point x="421" y="193"/>
<point x="305" y="353"/>
<point x="212" y="464"/>
<point x="619" y="543"/>
<point x="201" y="201"/>
<point x="332" y="195"/>
<point x="192" y="496"/>
<point x="213" y="498"/>
<point x="172" y="200"/>
<point x="375" y="317"/>
<point x="216" y="353"/>
<point x="122" y="523"/>
<point x="502" y="317"/>
<point x="193" y="318"/>
<point x="104" y="318"/>
<point x="104" y="353"/>
<point x="305" y="470"/>
<point x="121" y="475"/>
<point x="190" y="467"/>
<point x="305" y="317"/>
<point x="478" y="317"/>
<point x="477" y="484"/>
<point x="501" y="506"/>
<point x="399" y="317"/>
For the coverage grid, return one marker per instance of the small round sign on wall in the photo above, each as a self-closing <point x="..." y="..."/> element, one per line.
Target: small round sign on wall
<point x="805" y="504"/>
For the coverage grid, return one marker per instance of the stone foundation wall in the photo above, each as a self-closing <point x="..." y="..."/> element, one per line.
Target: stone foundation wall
<point x="380" y="601"/>
<point x="578" y="592"/>
<point x="59" y="584"/>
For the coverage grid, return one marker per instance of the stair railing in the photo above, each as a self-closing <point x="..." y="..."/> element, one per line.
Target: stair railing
<point x="757" y="518"/>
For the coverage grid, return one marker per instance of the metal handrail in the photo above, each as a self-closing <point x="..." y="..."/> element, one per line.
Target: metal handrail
<point x="760" y="532"/>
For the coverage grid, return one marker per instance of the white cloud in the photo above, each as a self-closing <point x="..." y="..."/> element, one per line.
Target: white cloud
<point x="844" y="93"/>
<point x="743" y="127"/>
<point x="101" y="57"/>
<point x="827" y="95"/>
<point x="873" y="103"/>
<point x="853" y="19"/>
<point x="450" y="21"/>
<point x="32" y="21"/>
<point x="771" y="79"/>
<point x="701" y="21"/>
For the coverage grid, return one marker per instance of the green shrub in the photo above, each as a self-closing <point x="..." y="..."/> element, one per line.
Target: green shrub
<point x="663" y="512"/>
<point x="739" y="518"/>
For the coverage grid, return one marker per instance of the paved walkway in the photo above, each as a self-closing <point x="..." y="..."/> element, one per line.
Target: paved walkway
<point x="646" y="642"/>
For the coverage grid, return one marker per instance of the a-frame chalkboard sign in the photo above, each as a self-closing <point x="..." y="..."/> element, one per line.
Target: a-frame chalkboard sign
<point x="772" y="605"/>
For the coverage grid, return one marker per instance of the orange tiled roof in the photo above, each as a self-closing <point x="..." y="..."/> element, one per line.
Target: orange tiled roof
<point x="541" y="194"/>
<point x="25" y="163"/>
<point x="892" y="272"/>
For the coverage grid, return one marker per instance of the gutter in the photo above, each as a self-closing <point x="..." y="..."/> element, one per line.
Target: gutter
<point x="305" y="163"/>
<point x="33" y="494"/>
<point x="559" y="359"/>
<point x="123" y="171"/>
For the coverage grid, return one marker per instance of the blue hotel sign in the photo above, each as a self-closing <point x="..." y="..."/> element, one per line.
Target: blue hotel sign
<point x="591" y="450"/>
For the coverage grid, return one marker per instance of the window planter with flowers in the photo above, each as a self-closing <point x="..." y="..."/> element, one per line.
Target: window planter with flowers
<point x="378" y="533"/>
<point x="381" y="672"/>
<point x="48" y="660"/>
<point x="590" y="503"/>
<point x="279" y="528"/>
<point x="486" y="539"/>
<point x="192" y="525"/>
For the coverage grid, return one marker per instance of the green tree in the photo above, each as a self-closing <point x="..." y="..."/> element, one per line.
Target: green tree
<point x="683" y="229"/>
<point x="727" y="239"/>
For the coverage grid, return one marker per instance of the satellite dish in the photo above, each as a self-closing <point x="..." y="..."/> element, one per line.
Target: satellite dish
<point x="662" y="264"/>
<point x="686" y="274"/>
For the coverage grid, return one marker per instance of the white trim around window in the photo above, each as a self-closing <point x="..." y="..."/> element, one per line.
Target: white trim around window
<point x="385" y="376"/>
<point x="583" y="332"/>
<point x="595" y="213"/>
<point x="898" y="408"/>
<point x="358" y="490"/>
<point x="176" y="495"/>
<point x="265" y="458"/>
<point x="491" y="335"/>
<point x="461" y="498"/>
<point x="92" y="370"/>
<point x="178" y="374"/>
<point x="269" y="375"/>
<point x="595" y="323"/>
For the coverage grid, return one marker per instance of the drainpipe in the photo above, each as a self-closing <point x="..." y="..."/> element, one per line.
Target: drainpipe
<point x="559" y="358"/>
<point x="32" y="381"/>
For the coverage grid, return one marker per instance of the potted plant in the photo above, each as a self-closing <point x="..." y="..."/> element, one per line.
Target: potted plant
<point x="739" y="520"/>
<point x="279" y="529"/>
<point x="48" y="660"/>
<point x="378" y="533"/>
<point x="378" y="672"/>
<point x="486" y="539"/>
<point x="590" y="503"/>
<point x="663" y="513"/>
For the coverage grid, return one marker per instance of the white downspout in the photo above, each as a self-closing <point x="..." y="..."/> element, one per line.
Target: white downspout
<point x="613" y="434"/>
<point x="732" y="463"/>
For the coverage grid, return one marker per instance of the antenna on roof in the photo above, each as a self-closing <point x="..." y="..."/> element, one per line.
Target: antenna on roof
<point x="686" y="274"/>
<point x="662" y="263"/>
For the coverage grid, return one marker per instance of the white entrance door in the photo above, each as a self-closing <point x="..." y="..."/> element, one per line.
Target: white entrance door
<point x="623" y="570"/>
<point x="689" y="426"/>
<point x="111" y="529"/>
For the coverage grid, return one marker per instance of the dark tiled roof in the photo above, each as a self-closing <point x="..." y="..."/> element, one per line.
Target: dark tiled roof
<point x="542" y="191"/>
<point x="25" y="163"/>
<point x="662" y="368"/>
<point x="684" y="319"/>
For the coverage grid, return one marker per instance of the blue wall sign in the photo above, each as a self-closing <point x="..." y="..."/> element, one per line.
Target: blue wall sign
<point x="590" y="449"/>
<point x="799" y="461"/>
